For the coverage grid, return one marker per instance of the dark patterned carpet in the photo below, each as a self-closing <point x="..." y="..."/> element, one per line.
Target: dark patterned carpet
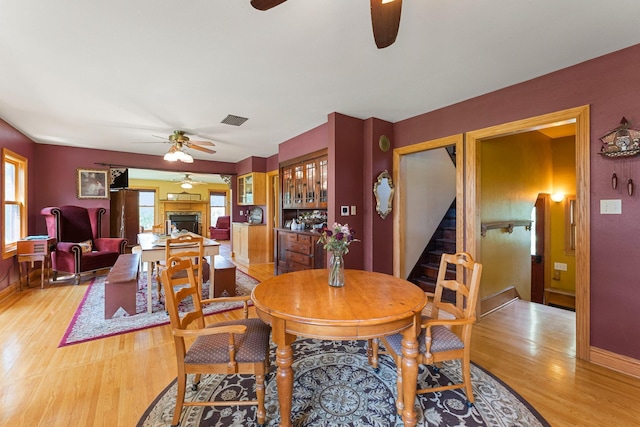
<point x="335" y="386"/>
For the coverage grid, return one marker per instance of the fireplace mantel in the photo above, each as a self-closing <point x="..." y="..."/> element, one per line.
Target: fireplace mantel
<point x="199" y="207"/>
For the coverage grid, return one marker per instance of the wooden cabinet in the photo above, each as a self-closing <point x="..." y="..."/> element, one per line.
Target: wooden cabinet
<point x="252" y="189"/>
<point x="249" y="242"/>
<point x="304" y="183"/>
<point x="298" y="250"/>
<point x="124" y="215"/>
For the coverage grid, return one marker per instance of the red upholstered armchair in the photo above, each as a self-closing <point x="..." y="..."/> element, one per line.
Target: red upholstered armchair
<point x="222" y="230"/>
<point x="80" y="248"/>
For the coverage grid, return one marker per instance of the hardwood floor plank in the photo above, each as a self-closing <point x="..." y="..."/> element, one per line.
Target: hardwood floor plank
<point x="111" y="381"/>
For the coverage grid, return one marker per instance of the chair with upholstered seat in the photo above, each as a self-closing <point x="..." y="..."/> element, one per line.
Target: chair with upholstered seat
<point x="446" y="333"/>
<point x="222" y="230"/>
<point x="80" y="247"/>
<point x="230" y="347"/>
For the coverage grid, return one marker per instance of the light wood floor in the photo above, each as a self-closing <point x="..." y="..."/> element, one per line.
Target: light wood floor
<point x="111" y="381"/>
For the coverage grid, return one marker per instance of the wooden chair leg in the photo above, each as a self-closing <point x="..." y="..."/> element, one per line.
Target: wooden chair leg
<point x="261" y="413"/>
<point x="182" y="384"/>
<point x="466" y="377"/>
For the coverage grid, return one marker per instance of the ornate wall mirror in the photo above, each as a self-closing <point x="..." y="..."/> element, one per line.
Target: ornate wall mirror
<point x="383" y="190"/>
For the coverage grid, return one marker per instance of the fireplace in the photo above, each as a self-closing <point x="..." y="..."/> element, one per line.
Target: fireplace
<point x="186" y="222"/>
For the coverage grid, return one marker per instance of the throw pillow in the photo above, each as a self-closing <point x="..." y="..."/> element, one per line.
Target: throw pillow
<point x="86" y="246"/>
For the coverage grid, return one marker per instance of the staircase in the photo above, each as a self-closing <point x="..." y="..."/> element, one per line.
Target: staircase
<point x="425" y="272"/>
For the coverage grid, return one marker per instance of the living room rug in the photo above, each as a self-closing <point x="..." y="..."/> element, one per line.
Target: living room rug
<point x="335" y="386"/>
<point x="88" y="322"/>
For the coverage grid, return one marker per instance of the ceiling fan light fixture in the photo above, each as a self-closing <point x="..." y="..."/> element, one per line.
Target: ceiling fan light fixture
<point x="186" y="157"/>
<point x="186" y="185"/>
<point x="171" y="155"/>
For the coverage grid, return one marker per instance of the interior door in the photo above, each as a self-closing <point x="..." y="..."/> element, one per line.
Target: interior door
<point x="537" y="250"/>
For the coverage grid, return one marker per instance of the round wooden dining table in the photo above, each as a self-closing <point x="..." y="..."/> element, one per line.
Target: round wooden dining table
<point x="369" y="305"/>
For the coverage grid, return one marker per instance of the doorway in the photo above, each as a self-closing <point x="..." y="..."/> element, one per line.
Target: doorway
<point x="473" y="198"/>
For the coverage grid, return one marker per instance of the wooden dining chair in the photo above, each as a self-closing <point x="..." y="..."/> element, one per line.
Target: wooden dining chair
<point x="157" y="228"/>
<point x="446" y="332"/>
<point x="231" y="347"/>
<point x="185" y="246"/>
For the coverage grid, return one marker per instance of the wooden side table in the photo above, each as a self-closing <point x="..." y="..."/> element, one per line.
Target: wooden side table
<point x="33" y="250"/>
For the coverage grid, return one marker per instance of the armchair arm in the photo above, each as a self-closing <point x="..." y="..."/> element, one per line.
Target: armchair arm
<point x="68" y="247"/>
<point x="110" y="244"/>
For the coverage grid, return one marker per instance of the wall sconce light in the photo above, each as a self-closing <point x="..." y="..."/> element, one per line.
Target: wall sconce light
<point x="557" y="197"/>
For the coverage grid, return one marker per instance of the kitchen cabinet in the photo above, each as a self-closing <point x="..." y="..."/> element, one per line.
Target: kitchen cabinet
<point x="304" y="183"/>
<point x="249" y="242"/>
<point x="252" y="189"/>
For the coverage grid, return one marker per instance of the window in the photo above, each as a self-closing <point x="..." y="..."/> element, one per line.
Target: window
<point x="147" y="208"/>
<point x="217" y="205"/>
<point x="14" y="200"/>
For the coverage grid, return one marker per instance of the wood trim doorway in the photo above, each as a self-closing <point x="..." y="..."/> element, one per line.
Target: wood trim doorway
<point x="399" y="222"/>
<point x="579" y="115"/>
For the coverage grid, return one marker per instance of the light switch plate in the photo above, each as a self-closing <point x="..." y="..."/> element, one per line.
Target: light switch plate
<point x="611" y="207"/>
<point x="353" y="210"/>
<point x="344" y="210"/>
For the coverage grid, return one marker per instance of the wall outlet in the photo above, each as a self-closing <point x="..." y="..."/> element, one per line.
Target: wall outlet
<point x="344" y="210"/>
<point x="560" y="266"/>
<point x="241" y="213"/>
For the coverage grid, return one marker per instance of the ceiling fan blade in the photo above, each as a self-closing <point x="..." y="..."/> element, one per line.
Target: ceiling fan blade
<point x="196" y="147"/>
<point x="385" y="20"/>
<point x="207" y="143"/>
<point x="265" y="4"/>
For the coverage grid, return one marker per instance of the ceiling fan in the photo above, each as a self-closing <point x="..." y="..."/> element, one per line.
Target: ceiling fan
<point x="180" y="141"/>
<point x="188" y="182"/>
<point x="385" y="18"/>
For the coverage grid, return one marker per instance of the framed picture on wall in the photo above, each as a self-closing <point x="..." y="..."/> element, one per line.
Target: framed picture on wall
<point x="92" y="183"/>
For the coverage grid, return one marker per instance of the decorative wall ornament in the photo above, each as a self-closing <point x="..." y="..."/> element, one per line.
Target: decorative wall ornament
<point x="226" y="179"/>
<point x="383" y="190"/>
<point x="623" y="141"/>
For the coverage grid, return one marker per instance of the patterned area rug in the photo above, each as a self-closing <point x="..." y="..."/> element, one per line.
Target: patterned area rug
<point x="335" y="386"/>
<point x="88" y="323"/>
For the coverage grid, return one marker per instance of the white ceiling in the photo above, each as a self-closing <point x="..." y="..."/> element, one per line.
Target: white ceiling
<point x="109" y="74"/>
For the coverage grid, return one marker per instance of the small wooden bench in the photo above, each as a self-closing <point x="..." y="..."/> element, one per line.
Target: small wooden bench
<point x="560" y="297"/>
<point x="121" y="285"/>
<point x="224" y="281"/>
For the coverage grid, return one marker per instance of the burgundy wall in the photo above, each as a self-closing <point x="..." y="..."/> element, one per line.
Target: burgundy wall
<point x="611" y="87"/>
<point x="305" y="143"/>
<point x="55" y="183"/>
<point x="345" y="175"/>
<point x="13" y="140"/>
<point x="378" y="231"/>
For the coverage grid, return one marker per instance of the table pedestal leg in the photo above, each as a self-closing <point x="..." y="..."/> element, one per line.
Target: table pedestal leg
<point x="409" y="375"/>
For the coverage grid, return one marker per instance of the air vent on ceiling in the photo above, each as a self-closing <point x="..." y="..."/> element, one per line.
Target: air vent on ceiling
<point x="234" y="120"/>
